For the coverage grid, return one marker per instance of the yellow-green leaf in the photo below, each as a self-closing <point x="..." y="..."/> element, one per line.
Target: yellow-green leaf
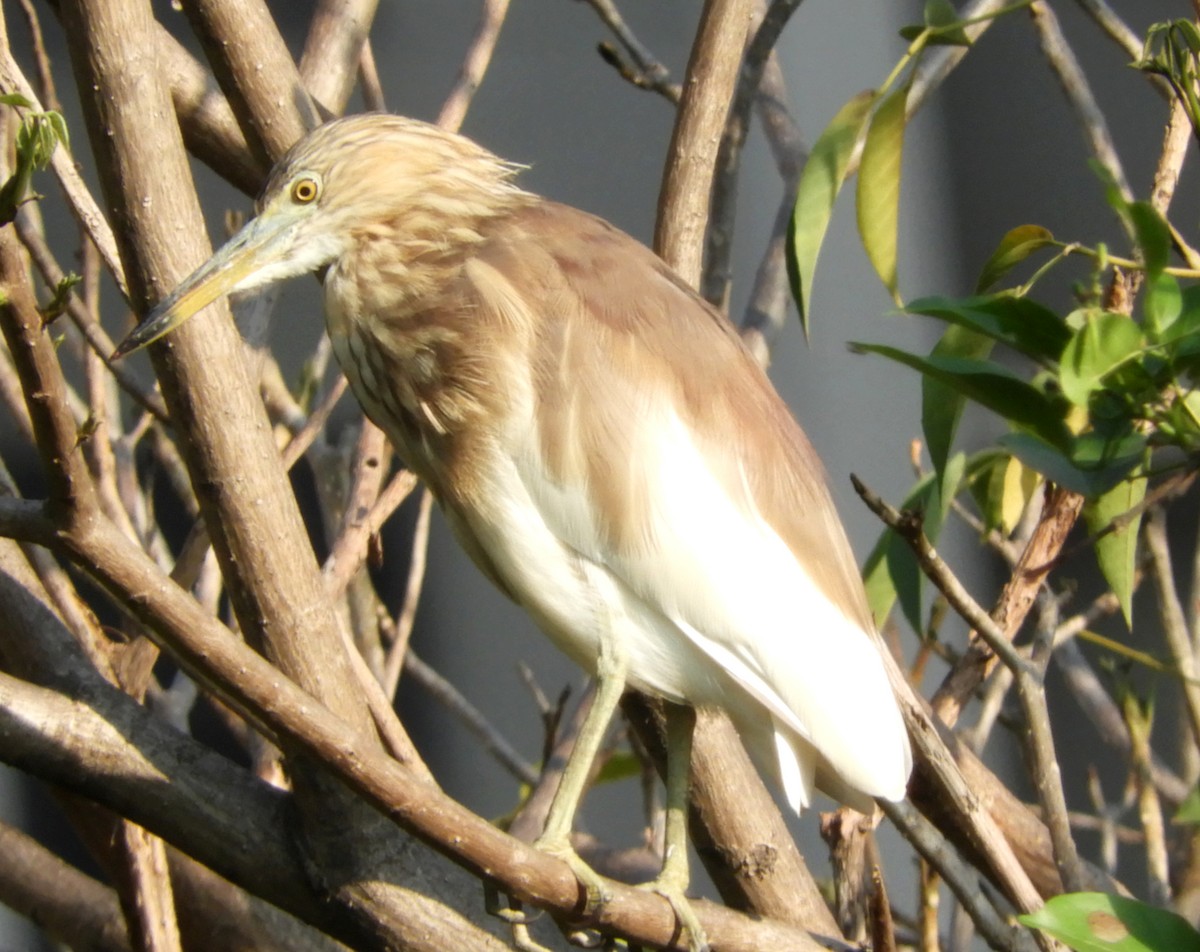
<point x="1014" y="248"/>
<point x="878" y="204"/>
<point x="820" y="182"/>
<point x="1116" y="551"/>
<point x="1105" y="341"/>
<point x="943" y="19"/>
<point x="1099" y="922"/>
<point x="890" y="573"/>
<point x="1015" y="483"/>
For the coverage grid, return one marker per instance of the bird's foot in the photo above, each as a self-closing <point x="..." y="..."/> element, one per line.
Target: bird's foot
<point x="509" y="910"/>
<point x="672" y="884"/>
<point x="596" y="892"/>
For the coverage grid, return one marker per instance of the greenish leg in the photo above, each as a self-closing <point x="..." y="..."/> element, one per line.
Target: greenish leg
<point x="556" y="837"/>
<point x="672" y="882"/>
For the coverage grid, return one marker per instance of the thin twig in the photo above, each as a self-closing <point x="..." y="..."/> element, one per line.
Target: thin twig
<point x="1138" y="720"/>
<point x="368" y="80"/>
<point x="350" y="551"/>
<point x="1045" y="770"/>
<point x="937" y="764"/>
<point x="1103" y="820"/>
<point x="766" y="308"/>
<point x="1171" y="615"/>
<point x="146" y="884"/>
<point x="642" y="69"/>
<point x="417" y="562"/>
<point x="932" y="71"/>
<point x="961" y="878"/>
<point x="907" y="525"/>
<point x="1176" y="140"/>
<point x="492" y="741"/>
<point x="95" y="336"/>
<point x="1059" y="514"/>
<point x="1099" y="708"/>
<point x="1079" y="93"/>
<point x="41" y="58"/>
<point x="298" y="445"/>
<point x="79" y="198"/>
<point x="68" y="482"/>
<point x="1111" y="23"/>
<point x="474" y="65"/>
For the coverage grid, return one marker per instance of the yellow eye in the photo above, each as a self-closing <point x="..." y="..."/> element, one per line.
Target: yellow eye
<point x="305" y="190"/>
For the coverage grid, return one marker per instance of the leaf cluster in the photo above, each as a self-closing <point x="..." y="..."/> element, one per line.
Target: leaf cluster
<point x="1099" y="401"/>
<point x="39" y="135"/>
<point x="1098" y="397"/>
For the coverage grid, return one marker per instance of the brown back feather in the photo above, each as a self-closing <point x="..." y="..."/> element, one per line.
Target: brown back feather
<point x="616" y="332"/>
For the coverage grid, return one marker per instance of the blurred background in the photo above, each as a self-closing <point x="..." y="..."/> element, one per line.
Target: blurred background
<point x="995" y="147"/>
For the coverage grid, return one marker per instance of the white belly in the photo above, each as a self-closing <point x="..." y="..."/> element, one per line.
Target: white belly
<point x="576" y="601"/>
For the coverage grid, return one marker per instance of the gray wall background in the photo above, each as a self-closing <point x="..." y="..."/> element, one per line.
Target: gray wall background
<point x="995" y="148"/>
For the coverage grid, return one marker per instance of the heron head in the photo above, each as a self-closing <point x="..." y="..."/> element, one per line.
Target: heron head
<point x="360" y="178"/>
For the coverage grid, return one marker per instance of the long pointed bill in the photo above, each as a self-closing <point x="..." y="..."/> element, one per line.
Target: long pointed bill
<point x="258" y="245"/>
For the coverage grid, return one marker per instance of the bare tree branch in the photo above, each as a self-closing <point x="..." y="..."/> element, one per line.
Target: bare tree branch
<point x="474" y="65"/>
<point x="683" y="200"/>
<point x="333" y="50"/>
<point x="255" y="70"/>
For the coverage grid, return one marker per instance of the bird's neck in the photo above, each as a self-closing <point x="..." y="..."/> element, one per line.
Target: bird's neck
<point x="404" y="319"/>
<point x="409" y="259"/>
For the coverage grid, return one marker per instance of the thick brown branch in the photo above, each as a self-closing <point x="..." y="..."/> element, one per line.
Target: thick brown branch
<point x="213" y="655"/>
<point x="332" y="51"/>
<point x="55" y="431"/>
<point x="254" y="68"/>
<point x="209" y="128"/>
<point x="1044" y="769"/>
<point x="683" y="201"/>
<point x="1059" y="515"/>
<point x="258" y="535"/>
<point x="71" y="906"/>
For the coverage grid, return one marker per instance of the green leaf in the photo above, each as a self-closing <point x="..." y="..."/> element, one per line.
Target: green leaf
<point x="37" y="137"/>
<point x="990" y="385"/>
<point x="878" y="199"/>
<point x="1048" y="460"/>
<point x="1022" y="324"/>
<point x="1112" y="188"/>
<point x="1099" y="922"/>
<point x="820" y="182"/>
<point x="891" y="573"/>
<point x="1187" y="324"/>
<point x="941" y="404"/>
<point x="1084" y="469"/>
<point x="621" y="765"/>
<point x="1105" y="341"/>
<point x="1189" y="809"/>
<point x="1010" y="488"/>
<point x="61" y="299"/>
<point x="980" y="472"/>
<point x="1163" y="305"/>
<point x="1153" y="236"/>
<point x="1014" y="248"/>
<point x="1116" y="551"/>
<point x="1101" y="453"/>
<point x="942" y="23"/>
<point x="15" y="99"/>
